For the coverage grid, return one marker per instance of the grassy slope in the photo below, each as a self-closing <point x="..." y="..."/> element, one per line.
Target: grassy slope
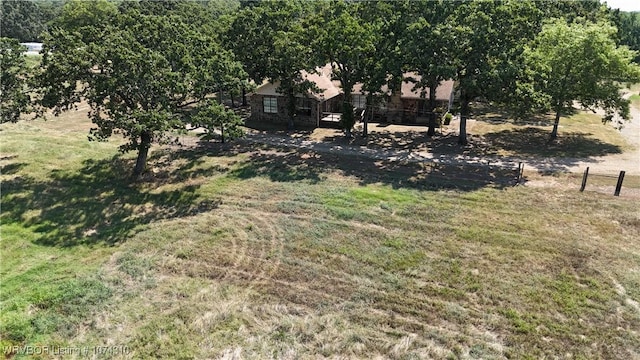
<point x="225" y="253"/>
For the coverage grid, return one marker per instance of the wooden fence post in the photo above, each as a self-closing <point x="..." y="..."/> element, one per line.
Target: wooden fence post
<point x="619" y="184"/>
<point x="519" y="173"/>
<point x="584" y="179"/>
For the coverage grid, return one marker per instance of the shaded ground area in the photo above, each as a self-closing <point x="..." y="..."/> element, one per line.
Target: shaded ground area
<point x="534" y="142"/>
<point x="496" y="139"/>
<point x="277" y="159"/>
<point x="99" y="204"/>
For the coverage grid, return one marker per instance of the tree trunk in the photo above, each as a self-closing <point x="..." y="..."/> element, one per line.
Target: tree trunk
<point x="432" y="108"/>
<point x="244" y="96"/>
<point x="432" y="124"/>
<point x="222" y="133"/>
<point x="143" y="152"/>
<point x="368" y="111"/>
<point x="464" y="113"/>
<point x="291" y="109"/>
<point x="554" y="133"/>
<point x="347" y="119"/>
<point x="233" y="102"/>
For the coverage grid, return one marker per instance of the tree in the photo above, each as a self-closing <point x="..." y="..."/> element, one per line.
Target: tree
<point x="429" y="43"/>
<point x="488" y="42"/>
<point x="473" y="38"/>
<point x="345" y="41"/>
<point x="245" y="38"/>
<point x="384" y="63"/>
<point x="272" y="41"/>
<point x="581" y="62"/>
<point x="628" y="24"/>
<point x="214" y="118"/>
<point x="21" y="20"/>
<point x="14" y="94"/>
<point x="142" y="76"/>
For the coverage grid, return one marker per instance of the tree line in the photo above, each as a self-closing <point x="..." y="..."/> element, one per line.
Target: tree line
<point x="149" y="67"/>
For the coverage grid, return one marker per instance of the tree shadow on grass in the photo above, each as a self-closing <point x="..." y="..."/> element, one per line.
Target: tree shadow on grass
<point x="497" y="115"/>
<point x="534" y="142"/>
<point x="281" y="164"/>
<point x="442" y="144"/>
<point x="11" y="168"/>
<point x="98" y="204"/>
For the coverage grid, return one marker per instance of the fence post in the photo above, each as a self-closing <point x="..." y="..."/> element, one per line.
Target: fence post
<point x="519" y="173"/>
<point x="584" y="179"/>
<point x="619" y="184"/>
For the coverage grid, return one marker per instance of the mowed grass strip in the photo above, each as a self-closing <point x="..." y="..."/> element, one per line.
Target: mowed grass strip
<point x="217" y="253"/>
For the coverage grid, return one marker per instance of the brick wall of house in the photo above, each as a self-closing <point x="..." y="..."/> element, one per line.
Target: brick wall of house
<point x="258" y="114"/>
<point x="397" y="111"/>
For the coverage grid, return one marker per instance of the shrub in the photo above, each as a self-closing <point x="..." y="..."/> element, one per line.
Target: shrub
<point x="447" y="118"/>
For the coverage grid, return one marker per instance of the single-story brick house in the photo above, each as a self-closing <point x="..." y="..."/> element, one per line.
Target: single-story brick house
<point x="407" y="106"/>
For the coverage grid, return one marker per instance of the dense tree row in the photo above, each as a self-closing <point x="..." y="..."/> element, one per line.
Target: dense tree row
<point x="147" y="67"/>
<point x="489" y="47"/>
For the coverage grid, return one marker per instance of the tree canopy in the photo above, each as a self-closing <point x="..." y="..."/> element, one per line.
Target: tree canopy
<point x="14" y="93"/>
<point x="429" y="43"/>
<point x="580" y="62"/>
<point x="628" y="24"/>
<point x="347" y="43"/>
<point x="21" y="20"/>
<point x="141" y="74"/>
<point x="272" y="40"/>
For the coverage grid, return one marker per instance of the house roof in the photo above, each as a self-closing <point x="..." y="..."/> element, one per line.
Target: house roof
<point x="443" y="91"/>
<point x="322" y="79"/>
<point x="330" y="88"/>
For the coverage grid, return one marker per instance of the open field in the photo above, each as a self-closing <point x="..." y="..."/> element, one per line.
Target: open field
<point x="236" y="251"/>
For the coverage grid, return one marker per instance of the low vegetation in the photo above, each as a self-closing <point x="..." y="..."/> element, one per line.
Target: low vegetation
<point x="237" y="251"/>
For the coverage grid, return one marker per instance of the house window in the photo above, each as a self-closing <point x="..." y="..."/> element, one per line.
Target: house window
<point x="270" y="105"/>
<point x="303" y="106"/>
<point x="359" y="101"/>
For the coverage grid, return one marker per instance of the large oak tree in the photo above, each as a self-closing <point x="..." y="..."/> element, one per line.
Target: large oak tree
<point x="273" y="42"/>
<point x="346" y="41"/>
<point x="429" y="43"/>
<point x="142" y="75"/>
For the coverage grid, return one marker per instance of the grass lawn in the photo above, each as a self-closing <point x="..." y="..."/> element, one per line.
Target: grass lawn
<point x="229" y="251"/>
